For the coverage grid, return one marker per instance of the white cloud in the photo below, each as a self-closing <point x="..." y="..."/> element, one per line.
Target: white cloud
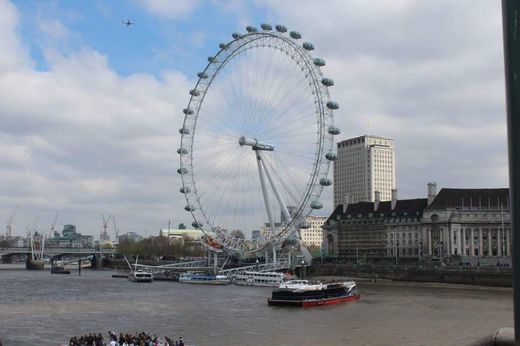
<point x="169" y="9"/>
<point x="53" y="29"/>
<point x="83" y="140"/>
<point x="427" y="74"/>
<point x="14" y="55"/>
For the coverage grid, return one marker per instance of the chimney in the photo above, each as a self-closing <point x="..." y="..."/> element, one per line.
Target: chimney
<point x="432" y="192"/>
<point x="346" y="202"/>
<point x="394" y="198"/>
<point x="377" y="199"/>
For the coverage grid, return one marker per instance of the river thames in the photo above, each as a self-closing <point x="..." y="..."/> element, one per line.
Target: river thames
<point x="37" y="308"/>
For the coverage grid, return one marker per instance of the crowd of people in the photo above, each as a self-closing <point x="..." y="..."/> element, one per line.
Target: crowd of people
<point x="139" y="339"/>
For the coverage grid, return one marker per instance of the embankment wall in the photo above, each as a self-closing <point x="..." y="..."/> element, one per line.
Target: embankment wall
<point x="469" y="276"/>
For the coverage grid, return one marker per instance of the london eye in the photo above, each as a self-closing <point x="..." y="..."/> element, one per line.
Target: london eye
<point x="257" y="140"/>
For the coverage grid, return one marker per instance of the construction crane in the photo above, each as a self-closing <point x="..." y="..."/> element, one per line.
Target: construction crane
<point x="52" y="230"/>
<point x="116" y="230"/>
<point x="9" y="226"/>
<point x="104" y="235"/>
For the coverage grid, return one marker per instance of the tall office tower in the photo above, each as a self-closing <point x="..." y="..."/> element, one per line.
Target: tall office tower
<point x="364" y="165"/>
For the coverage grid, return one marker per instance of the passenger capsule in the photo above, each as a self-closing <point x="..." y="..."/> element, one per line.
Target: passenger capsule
<point x="195" y="224"/>
<point x="295" y="34"/>
<point x="213" y="59"/>
<point x="189" y="208"/>
<point x="325" y="182"/>
<point x="308" y="46"/>
<point x="202" y="75"/>
<point x="305" y="225"/>
<point x="327" y="82"/>
<point x="182" y="170"/>
<point x="316" y="205"/>
<point x="187" y="111"/>
<point x="331" y="156"/>
<point x="332" y="105"/>
<point x="184" y="131"/>
<point x="319" y="62"/>
<point x="281" y="28"/>
<point x="194" y="92"/>
<point x="266" y="27"/>
<point x="236" y="35"/>
<point x="250" y="28"/>
<point x="185" y="190"/>
<point x="222" y="45"/>
<point x="182" y="151"/>
<point x="333" y="130"/>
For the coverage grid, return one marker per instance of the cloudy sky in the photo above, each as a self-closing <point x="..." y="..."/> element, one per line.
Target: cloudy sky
<point x="90" y="108"/>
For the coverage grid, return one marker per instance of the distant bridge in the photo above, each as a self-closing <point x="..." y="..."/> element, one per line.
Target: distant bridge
<point x="57" y="251"/>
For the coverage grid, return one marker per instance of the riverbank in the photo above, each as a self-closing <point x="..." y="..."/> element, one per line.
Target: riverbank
<point x="462" y="276"/>
<point x="367" y="282"/>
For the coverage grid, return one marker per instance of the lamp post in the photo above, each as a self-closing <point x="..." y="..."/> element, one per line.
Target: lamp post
<point x="357" y="254"/>
<point x="396" y="251"/>
<point x="510" y="9"/>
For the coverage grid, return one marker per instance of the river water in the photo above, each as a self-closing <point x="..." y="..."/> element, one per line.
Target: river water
<point x="37" y="308"/>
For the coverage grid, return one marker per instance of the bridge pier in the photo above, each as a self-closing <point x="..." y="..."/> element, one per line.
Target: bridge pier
<point x="96" y="262"/>
<point x="215" y="263"/>
<point x="31" y="264"/>
<point x="7" y="259"/>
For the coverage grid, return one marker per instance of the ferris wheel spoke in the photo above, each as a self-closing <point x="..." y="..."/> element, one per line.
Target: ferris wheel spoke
<point x="286" y="110"/>
<point x="282" y="130"/>
<point x="268" y="97"/>
<point x="263" y="87"/>
<point x="287" y="83"/>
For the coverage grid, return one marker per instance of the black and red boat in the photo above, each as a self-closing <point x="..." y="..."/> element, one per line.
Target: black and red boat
<point x="302" y="293"/>
<point x="59" y="270"/>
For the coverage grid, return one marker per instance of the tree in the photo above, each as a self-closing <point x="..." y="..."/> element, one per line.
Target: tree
<point x="237" y="234"/>
<point x="162" y="247"/>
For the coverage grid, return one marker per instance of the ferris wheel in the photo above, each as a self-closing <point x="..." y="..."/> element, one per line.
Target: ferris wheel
<point x="257" y="140"/>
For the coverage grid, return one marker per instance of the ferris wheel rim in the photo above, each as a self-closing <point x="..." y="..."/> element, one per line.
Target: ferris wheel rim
<point x="321" y="164"/>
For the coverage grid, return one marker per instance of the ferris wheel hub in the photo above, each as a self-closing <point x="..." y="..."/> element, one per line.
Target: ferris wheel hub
<point x="255" y="144"/>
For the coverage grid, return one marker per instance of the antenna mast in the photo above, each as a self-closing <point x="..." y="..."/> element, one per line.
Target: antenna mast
<point x="9" y="225"/>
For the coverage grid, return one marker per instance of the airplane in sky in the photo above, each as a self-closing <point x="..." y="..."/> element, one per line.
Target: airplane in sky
<point x="128" y="22"/>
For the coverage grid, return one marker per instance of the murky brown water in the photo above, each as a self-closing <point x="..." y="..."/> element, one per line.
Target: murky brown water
<point x="37" y="308"/>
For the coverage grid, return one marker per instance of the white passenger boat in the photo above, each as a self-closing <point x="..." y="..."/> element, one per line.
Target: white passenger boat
<point x="201" y="278"/>
<point x="269" y="279"/>
<point x="140" y="276"/>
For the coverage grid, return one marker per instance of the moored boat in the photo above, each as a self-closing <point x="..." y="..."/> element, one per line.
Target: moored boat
<point x="140" y="276"/>
<point x="251" y="278"/>
<point x="303" y="293"/>
<point x="59" y="270"/>
<point x="202" y="278"/>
